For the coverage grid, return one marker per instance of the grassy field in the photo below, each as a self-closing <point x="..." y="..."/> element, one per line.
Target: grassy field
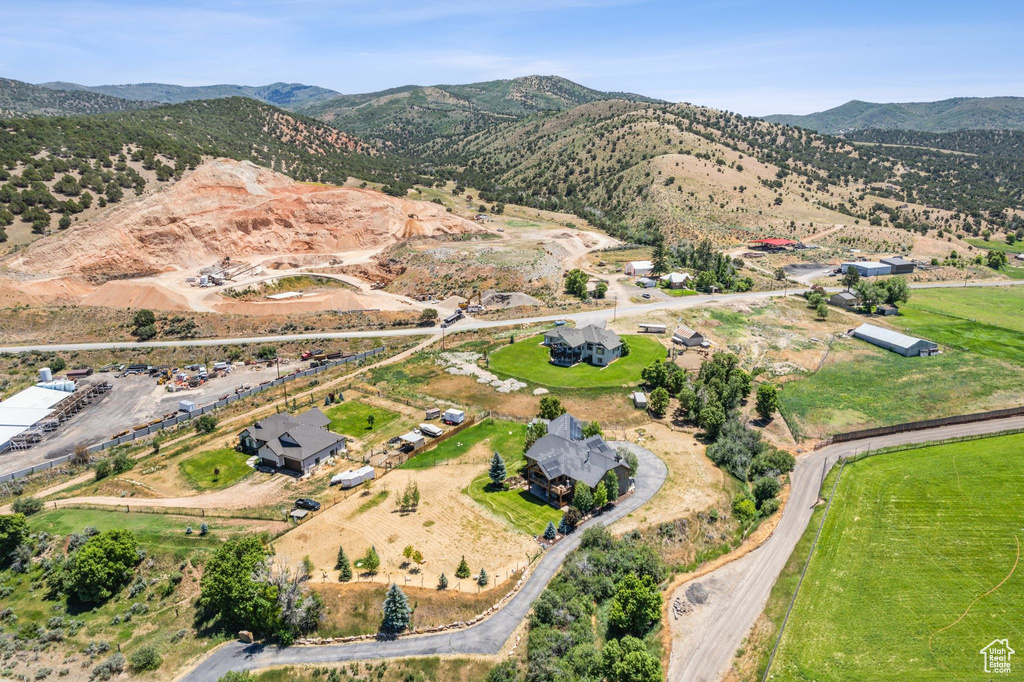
<point x="916" y="569"/>
<point x="518" y="508"/>
<point x="349" y="418"/>
<point x="529" y="361"/>
<point x="993" y="245"/>
<point x="866" y="386"/>
<point x="215" y="469"/>
<point x="507" y="438"/>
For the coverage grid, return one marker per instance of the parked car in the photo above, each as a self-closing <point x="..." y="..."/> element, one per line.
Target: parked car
<point x="646" y="295"/>
<point x="307" y="503"/>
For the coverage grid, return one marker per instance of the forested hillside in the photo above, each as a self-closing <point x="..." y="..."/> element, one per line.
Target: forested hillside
<point x="284" y="95"/>
<point x="23" y="100"/>
<point x="57" y="167"/>
<point x="959" y="113"/>
<point x="411" y="116"/>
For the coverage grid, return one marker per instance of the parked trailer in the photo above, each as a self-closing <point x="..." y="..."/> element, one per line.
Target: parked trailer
<point x="453" y="416"/>
<point x="431" y="430"/>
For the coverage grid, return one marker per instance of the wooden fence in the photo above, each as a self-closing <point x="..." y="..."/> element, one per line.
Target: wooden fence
<point x="927" y="424"/>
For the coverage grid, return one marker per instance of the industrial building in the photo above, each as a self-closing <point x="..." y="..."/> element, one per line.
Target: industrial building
<point x="899" y="265"/>
<point x="867" y="268"/>
<point x="28" y="415"/>
<point x="888" y="339"/>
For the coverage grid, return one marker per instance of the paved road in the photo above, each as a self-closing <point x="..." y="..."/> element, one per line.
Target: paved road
<point x="590" y="317"/>
<point x="486" y="638"/>
<point x="705" y="641"/>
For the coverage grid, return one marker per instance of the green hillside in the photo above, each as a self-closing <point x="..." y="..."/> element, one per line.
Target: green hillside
<point x="960" y="113"/>
<point x="284" y="95"/>
<point x="21" y="100"/>
<point x="411" y="116"/>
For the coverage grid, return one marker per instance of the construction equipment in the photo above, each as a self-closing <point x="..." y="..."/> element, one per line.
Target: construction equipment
<point x="479" y="300"/>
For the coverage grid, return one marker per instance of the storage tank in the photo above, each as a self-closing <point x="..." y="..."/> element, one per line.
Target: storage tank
<point x="45" y="374"/>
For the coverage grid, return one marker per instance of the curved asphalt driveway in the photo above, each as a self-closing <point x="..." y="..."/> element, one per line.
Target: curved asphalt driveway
<point x="486" y="638"/>
<point x="599" y="317"/>
<point x="705" y="641"/>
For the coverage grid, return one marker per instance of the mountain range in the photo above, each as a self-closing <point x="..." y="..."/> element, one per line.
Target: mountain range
<point x="948" y="115"/>
<point x="284" y="95"/>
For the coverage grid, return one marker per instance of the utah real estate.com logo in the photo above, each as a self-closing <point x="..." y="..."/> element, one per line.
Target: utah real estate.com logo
<point x="997" y="656"/>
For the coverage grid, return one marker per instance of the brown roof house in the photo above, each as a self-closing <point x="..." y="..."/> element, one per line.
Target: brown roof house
<point x="293" y="442"/>
<point x="561" y="458"/>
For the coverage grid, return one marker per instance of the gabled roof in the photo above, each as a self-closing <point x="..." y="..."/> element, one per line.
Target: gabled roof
<point x="870" y="331"/>
<point x="685" y="332"/>
<point x="897" y="260"/>
<point x="575" y="337"/>
<point x="846" y="296"/>
<point x="294" y="436"/>
<point x="674" y="277"/>
<point x="564" y="451"/>
<point x="641" y="264"/>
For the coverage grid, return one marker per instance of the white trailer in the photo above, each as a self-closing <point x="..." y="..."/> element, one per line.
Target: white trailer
<point x="453" y="416"/>
<point x="431" y="430"/>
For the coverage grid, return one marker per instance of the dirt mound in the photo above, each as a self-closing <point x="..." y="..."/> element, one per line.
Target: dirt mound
<point x="14" y="292"/>
<point x="237" y="209"/>
<point x="124" y="294"/>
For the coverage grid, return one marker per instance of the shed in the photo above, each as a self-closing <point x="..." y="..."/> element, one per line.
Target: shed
<point x="867" y="268"/>
<point x="299" y="514"/>
<point x="887" y="309"/>
<point x="638" y="267"/>
<point x="888" y="339"/>
<point x="844" y="299"/>
<point x="431" y="430"/>
<point x="899" y="265"/>
<point x="687" y="337"/>
<point x="433" y="413"/>
<point x="639" y="400"/>
<point x="653" y="328"/>
<point x="454" y="416"/>
<point x="646" y="282"/>
<point x="412" y="440"/>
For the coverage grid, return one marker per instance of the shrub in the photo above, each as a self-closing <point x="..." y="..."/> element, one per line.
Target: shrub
<point x="27" y="505"/>
<point x="122" y="462"/>
<point x="207" y="423"/>
<point x="744" y="510"/>
<point x="145" y="658"/>
<point x="108" y="668"/>
<point x="102" y="469"/>
<point x="765" y="488"/>
<point x="13" y="530"/>
<point x="769" y="507"/>
<point x="636" y="604"/>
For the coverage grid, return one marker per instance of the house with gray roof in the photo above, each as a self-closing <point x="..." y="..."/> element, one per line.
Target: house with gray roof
<point x="293" y="442"/>
<point x="564" y="456"/>
<point x="592" y="344"/>
<point x="845" y="299"/>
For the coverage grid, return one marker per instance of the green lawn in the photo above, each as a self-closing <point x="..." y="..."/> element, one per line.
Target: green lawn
<point x="919" y="545"/>
<point x="508" y="438"/>
<point x="164" y="533"/>
<point x="999" y="306"/>
<point x="215" y="468"/>
<point x="997" y="245"/>
<point x="349" y="418"/>
<point x="529" y="361"/>
<point x="678" y="292"/>
<point x="518" y="508"/>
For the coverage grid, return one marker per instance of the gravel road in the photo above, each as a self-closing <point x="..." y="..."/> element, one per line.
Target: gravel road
<point x="705" y="641"/>
<point x="487" y="637"/>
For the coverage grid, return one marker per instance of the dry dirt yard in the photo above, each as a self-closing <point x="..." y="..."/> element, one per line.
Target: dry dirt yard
<point x="447" y="525"/>
<point x="693" y="483"/>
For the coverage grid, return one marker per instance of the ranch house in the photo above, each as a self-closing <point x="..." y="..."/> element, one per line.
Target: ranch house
<point x="590" y="344"/>
<point x="561" y="458"/>
<point x="292" y="442"/>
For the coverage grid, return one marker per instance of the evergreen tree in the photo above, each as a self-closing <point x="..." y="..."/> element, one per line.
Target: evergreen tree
<point x="483" y="579"/>
<point x="659" y="260"/>
<point x="550" y="532"/>
<point x="462" y="572"/>
<point x="343" y="566"/>
<point x="600" y="496"/>
<point x="611" y="486"/>
<point x="582" y="498"/>
<point x="498" y="472"/>
<point x="371" y="562"/>
<point x="442" y="582"/>
<point x="396" y="610"/>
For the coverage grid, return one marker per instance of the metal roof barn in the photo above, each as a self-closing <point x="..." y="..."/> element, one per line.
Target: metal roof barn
<point x="888" y="339"/>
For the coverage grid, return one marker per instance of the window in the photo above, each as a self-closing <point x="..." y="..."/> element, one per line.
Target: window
<point x="600" y="350"/>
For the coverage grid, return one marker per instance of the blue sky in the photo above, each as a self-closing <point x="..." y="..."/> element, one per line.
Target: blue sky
<point x="751" y="57"/>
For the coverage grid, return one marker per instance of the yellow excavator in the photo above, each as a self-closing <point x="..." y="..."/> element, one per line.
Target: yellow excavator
<point x="469" y="301"/>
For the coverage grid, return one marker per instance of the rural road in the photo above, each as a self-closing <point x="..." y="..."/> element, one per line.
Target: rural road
<point x="705" y="641"/>
<point x="583" y="318"/>
<point x="485" y="638"/>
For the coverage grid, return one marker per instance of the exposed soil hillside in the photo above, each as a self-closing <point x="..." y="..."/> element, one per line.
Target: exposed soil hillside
<point x="229" y="208"/>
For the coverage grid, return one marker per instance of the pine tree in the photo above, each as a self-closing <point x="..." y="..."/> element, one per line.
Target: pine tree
<point x="371" y="562"/>
<point x="611" y="485"/>
<point x="396" y="610"/>
<point x="482" y="580"/>
<point x="442" y="582"/>
<point x="343" y="565"/>
<point x="563" y="527"/>
<point x="462" y="571"/>
<point x="550" y="532"/>
<point x="498" y="473"/>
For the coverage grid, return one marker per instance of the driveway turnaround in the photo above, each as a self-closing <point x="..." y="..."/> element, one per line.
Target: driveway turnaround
<point x="705" y="641"/>
<point x="487" y="637"/>
<point x="599" y="317"/>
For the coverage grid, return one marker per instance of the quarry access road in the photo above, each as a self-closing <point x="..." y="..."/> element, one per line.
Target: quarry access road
<point x="486" y="638"/>
<point x="599" y="317"/>
<point x="705" y="641"/>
